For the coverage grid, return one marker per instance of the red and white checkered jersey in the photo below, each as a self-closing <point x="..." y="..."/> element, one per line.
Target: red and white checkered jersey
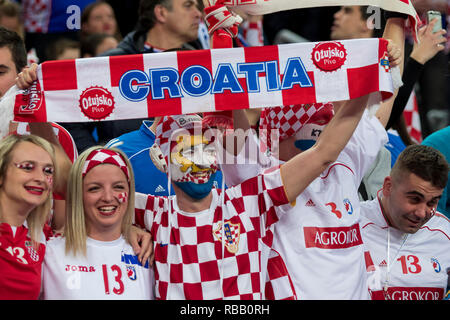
<point x="319" y="240"/>
<point x="109" y="271"/>
<point x="20" y="264"/>
<point x="215" y="253"/>
<point x="419" y="263"/>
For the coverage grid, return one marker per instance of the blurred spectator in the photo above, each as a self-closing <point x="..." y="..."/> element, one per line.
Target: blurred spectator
<point x="11" y="17"/>
<point x="439" y="140"/>
<point x="162" y="25"/>
<point x="126" y="14"/>
<point x="46" y="21"/>
<point x="63" y="49"/>
<point x="97" y="43"/>
<point x="350" y="22"/>
<point x="12" y="58"/>
<point x="312" y="24"/>
<point x="432" y="84"/>
<point x="98" y="17"/>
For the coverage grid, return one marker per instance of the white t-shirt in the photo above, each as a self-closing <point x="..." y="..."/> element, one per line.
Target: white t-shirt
<point x="110" y="270"/>
<point x="418" y="263"/>
<point x="318" y="242"/>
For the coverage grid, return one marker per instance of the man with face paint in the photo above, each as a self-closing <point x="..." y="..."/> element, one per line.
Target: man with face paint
<point x="209" y="243"/>
<point x="194" y="165"/>
<point x="407" y="239"/>
<point x="317" y="250"/>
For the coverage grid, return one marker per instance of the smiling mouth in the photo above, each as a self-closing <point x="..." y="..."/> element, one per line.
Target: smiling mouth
<point x="414" y="223"/>
<point x="202" y="174"/>
<point x="35" y="190"/>
<point x="107" y="210"/>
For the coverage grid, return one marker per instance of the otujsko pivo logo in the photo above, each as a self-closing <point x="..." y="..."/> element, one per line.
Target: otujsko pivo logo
<point x="329" y="56"/>
<point x="31" y="99"/>
<point x="96" y="103"/>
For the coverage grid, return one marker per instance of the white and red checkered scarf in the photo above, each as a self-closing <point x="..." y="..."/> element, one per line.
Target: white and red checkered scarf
<point x="114" y="88"/>
<point x="119" y="87"/>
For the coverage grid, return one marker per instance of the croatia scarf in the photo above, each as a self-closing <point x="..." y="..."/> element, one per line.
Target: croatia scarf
<point x="170" y="83"/>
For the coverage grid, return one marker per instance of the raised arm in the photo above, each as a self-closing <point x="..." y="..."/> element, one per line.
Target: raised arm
<point x="45" y="130"/>
<point x="301" y="170"/>
<point x="395" y="32"/>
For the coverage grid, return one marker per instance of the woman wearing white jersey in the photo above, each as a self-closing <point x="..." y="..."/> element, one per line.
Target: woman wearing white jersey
<point x="408" y="242"/>
<point x="94" y="259"/>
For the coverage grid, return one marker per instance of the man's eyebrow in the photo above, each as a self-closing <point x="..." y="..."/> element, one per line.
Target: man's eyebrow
<point x="417" y="193"/>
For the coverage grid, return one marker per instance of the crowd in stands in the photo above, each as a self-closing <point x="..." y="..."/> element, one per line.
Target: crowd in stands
<point x="107" y="209"/>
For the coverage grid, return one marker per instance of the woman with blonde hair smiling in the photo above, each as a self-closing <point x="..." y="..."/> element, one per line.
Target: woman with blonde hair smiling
<point x="27" y="177"/>
<point x="95" y="260"/>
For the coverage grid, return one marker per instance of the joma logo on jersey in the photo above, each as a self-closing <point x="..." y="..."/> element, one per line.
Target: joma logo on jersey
<point x="332" y="238"/>
<point x="72" y="268"/>
<point x="197" y="80"/>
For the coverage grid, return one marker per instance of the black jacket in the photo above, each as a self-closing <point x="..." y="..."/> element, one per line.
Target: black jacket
<point x="133" y="43"/>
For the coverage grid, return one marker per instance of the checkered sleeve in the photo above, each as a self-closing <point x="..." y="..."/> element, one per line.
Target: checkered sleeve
<point x="144" y="210"/>
<point x="267" y="191"/>
<point x="279" y="285"/>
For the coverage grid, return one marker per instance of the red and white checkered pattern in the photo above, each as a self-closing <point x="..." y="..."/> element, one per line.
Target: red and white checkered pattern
<point x="37" y="15"/>
<point x="193" y="252"/>
<point x="412" y="118"/>
<point x="61" y="83"/>
<point x="279" y="284"/>
<point x="102" y="156"/>
<point x="288" y="120"/>
<point x="218" y="17"/>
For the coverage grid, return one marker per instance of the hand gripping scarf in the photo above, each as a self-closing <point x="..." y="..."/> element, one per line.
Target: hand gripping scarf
<point x="173" y="83"/>
<point x="140" y="86"/>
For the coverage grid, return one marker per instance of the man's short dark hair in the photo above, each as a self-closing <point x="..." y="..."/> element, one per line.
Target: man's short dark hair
<point x="15" y="44"/>
<point x="146" y="13"/>
<point x="425" y="162"/>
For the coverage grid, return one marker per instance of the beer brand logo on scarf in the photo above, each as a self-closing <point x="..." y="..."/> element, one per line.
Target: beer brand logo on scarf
<point x="96" y="103"/>
<point x="31" y="100"/>
<point x="231" y="232"/>
<point x="329" y="56"/>
<point x="203" y="81"/>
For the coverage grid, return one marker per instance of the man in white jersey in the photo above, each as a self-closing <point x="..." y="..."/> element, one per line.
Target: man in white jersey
<point x="408" y="242"/>
<point x="317" y="247"/>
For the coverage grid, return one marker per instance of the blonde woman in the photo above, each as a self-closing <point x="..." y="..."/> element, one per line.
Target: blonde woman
<point x="27" y="176"/>
<point x="94" y="259"/>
